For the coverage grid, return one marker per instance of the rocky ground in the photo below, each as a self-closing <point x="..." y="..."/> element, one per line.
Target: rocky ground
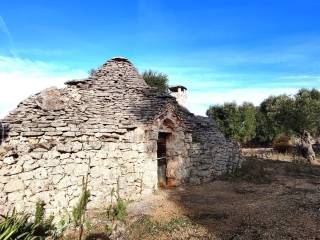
<point x="265" y="200"/>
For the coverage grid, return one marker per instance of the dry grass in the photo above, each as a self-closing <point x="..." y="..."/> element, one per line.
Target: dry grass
<point x="271" y="154"/>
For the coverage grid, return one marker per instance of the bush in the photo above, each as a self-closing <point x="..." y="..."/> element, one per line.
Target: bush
<point x="283" y="143"/>
<point x="156" y="79"/>
<point x="20" y="226"/>
<point x="117" y="210"/>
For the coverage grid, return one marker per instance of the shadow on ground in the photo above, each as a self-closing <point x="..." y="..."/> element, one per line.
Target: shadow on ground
<point x="97" y="236"/>
<point x="267" y="200"/>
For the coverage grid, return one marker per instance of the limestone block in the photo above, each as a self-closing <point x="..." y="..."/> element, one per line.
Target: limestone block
<point x="115" y="154"/>
<point x="9" y="160"/>
<point x="51" y="154"/>
<point x="51" y="99"/>
<point x="15" y="169"/>
<point x="94" y="145"/>
<point x="56" y="178"/>
<point x="29" y="165"/>
<point x="13" y="186"/>
<point x="54" y="133"/>
<point x="65" y="156"/>
<point x="3" y="199"/>
<point x="102" y="154"/>
<point x="39" y="186"/>
<point x="64" y="148"/>
<point x="20" y="206"/>
<point x="63" y="129"/>
<point x="140" y="147"/>
<point x="76" y="146"/>
<point x="26" y="175"/>
<point x="60" y="200"/>
<point x="80" y="169"/>
<point x="151" y="146"/>
<point x="69" y="134"/>
<point x="110" y="146"/>
<point x="58" y="170"/>
<point x="130" y="154"/>
<point x="44" y="196"/>
<point x="41" y="173"/>
<point x="36" y="155"/>
<point x="65" y="182"/>
<point x="32" y="134"/>
<point x="4" y="178"/>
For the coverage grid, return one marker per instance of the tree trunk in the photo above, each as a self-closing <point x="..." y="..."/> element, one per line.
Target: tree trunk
<point x="305" y="147"/>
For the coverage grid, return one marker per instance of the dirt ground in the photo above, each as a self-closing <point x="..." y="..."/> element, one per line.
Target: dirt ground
<point x="265" y="200"/>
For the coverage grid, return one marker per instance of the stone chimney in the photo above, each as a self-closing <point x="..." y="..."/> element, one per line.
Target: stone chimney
<point x="180" y="93"/>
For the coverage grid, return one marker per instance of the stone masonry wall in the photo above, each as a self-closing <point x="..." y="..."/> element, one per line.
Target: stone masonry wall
<point x="105" y="126"/>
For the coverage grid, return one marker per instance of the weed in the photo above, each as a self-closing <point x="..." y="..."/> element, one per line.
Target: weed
<point x="39" y="214"/>
<point x="117" y="210"/>
<point x="79" y="210"/>
<point x="20" y="226"/>
<point x="88" y="225"/>
<point x="146" y="226"/>
<point x="176" y="223"/>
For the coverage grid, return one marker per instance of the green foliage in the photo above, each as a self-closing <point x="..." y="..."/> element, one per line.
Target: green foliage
<point x="120" y="210"/>
<point x="39" y="214"/>
<point x="276" y="115"/>
<point x="156" y="79"/>
<point x="248" y="122"/>
<point x="20" y="226"/>
<point x="236" y="122"/>
<point x="307" y="111"/>
<point x="79" y="210"/>
<point x="117" y="210"/>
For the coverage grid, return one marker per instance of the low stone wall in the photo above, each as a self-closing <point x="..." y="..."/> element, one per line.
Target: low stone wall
<point x="30" y="172"/>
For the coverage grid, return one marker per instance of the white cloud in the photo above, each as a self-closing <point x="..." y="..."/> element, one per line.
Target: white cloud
<point x="20" y="78"/>
<point x="199" y="102"/>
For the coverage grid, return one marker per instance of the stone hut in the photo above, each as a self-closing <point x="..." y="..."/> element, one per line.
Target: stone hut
<point x="113" y="128"/>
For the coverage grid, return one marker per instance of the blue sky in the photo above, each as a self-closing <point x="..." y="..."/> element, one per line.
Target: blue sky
<point x="220" y="50"/>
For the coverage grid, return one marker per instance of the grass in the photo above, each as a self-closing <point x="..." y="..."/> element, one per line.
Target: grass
<point x="146" y="227"/>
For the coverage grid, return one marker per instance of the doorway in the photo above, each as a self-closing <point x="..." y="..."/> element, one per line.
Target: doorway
<point x="162" y="158"/>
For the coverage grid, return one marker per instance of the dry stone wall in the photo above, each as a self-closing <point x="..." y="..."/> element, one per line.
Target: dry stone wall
<point x="105" y="126"/>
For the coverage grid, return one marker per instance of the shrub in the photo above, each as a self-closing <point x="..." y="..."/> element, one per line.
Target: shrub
<point x="39" y="214"/>
<point x="117" y="210"/>
<point x="283" y="143"/>
<point x="19" y="226"/>
<point x="156" y="79"/>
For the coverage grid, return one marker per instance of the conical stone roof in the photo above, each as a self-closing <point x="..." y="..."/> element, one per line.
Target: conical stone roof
<point x="114" y="98"/>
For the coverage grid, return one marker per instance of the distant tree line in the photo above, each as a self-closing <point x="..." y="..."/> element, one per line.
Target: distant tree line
<point x="276" y="115"/>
